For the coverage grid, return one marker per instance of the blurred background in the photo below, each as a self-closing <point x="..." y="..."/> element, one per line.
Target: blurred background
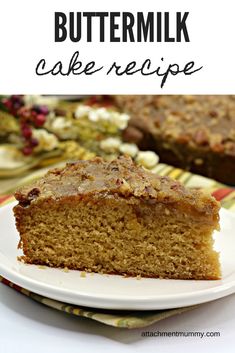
<point x="184" y="134"/>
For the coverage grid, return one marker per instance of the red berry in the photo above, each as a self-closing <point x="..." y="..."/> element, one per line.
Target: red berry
<point x="34" y="142"/>
<point x="44" y="110"/>
<point x="24" y="113"/>
<point x="8" y="104"/>
<point x="41" y="109"/>
<point x="40" y="120"/>
<point x="26" y="131"/>
<point x="34" y="114"/>
<point x="27" y="150"/>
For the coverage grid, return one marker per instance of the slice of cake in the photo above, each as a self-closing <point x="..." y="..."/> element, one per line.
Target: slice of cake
<point x="115" y="217"/>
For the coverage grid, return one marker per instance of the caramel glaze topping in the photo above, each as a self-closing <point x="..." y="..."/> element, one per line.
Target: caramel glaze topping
<point x="119" y="178"/>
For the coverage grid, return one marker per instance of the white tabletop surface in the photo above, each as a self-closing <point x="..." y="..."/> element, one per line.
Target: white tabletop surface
<point x="27" y="326"/>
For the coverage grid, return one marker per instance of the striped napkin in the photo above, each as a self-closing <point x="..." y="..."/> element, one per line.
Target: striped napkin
<point x="124" y="319"/>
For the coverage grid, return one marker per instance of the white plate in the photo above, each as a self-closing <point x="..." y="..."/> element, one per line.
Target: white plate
<point x="116" y="292"/>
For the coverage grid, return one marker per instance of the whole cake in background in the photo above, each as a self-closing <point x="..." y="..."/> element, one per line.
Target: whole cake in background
<point x="118" y="218"/>
<point x="196" y="133"/>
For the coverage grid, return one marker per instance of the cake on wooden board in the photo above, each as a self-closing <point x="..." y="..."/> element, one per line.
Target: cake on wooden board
<point x="115" y="217"/>
<point x="196" y="133"/>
